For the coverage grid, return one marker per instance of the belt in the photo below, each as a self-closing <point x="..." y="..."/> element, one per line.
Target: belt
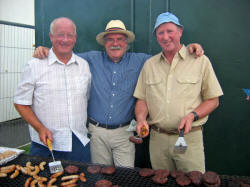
<point x="174" y="131"/>
<point x="106" y="126"/>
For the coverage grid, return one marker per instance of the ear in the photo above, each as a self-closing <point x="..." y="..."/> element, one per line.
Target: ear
<point x="50" y="36"/>
<point x="180" y="31"/>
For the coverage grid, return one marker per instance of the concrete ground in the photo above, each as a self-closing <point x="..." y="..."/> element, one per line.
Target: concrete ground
<point x="14" y="133"/>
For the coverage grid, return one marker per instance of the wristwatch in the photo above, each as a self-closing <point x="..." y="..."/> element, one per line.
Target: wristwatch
<point x="196" y="117"/>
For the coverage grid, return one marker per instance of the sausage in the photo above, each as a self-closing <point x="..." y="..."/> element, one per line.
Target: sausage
<point x="55" y="175"/>
<point x="41" y="165"/>
<point x="24" y="170"/>
<point x="40" y="184"/>
<point x="51" y="181"/>
<point x="28" y="165"/>
<point x="70" y="177"/>
<point x="8" y="169"/>
<point x="15" y="174"/>
<point x="33" y="183"/>
<point x="3" y="174"/>
<point x="39" y="178"/>
<point x="36" y="171"/>
<point x="27" y="182"/>
<point x="82" y="177"/>
<point x="72" y="181"/>
<point x="136" y="139"/>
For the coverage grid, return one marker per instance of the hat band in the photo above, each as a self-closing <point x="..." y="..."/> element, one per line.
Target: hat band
<point x="114" y="29"/>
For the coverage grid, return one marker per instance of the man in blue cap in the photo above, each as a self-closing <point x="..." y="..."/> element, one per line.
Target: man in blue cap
<point x="177" y="91"/>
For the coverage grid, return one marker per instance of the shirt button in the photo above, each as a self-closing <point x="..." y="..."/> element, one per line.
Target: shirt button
<point x="110" y="117"/>
<point x="111" y="106"/>
<point x="113" y="94"/>
<point x="114" y="72"/>
<point x="113" y="84"/>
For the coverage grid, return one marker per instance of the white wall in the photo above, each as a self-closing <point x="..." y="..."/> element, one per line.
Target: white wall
<point x="16" y="48"/>
<point x="17" y="11"/>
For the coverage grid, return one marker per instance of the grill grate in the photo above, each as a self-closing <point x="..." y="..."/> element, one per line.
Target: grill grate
<point x="125" y="177"/>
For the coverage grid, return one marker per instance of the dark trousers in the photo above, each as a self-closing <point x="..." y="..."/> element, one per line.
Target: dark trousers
<point x="142" y="158"/>
<point x="79" y="152"/>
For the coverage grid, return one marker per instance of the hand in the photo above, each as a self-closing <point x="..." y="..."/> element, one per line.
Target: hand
<point x="41" y="52"/>
<point x="142" y="129"/>
<point x="186" y="122"/>
<point x="195" y="48"/>
<point x="45" y="133"/>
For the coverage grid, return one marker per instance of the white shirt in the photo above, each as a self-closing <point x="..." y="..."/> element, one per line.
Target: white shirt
<point x="58" y="94"/>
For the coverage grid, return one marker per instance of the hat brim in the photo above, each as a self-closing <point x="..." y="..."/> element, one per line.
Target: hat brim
<point x="100" y="36"/>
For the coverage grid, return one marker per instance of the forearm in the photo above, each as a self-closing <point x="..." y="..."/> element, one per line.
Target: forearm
<point x="206" y="107"/>
<point x="141" y="110"/>
<point x="202" y="110"/>
<point x="28" y="115"/>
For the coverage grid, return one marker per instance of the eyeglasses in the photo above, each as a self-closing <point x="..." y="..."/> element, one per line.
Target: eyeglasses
<point x="118" y="40"/>
<point x="65" y="35"/>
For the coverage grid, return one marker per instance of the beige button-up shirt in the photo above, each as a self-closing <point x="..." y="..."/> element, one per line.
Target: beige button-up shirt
<point x="173" y="90"/>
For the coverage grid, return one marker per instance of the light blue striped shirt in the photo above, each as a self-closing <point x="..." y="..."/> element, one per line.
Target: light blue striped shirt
<point x="111" y="96"/>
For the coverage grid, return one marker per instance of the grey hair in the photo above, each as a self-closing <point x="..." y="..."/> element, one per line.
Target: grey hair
<point x="52" y="25"/>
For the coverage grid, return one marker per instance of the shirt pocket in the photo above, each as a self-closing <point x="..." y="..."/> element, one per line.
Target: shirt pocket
<point x="154" y="96"/>
<point x="128" y="81"/>
<point x="187" y="85"/>
<point x="80" y="85"/>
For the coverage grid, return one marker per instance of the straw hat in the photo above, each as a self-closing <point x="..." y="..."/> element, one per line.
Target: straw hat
<point x="115" y="26"/>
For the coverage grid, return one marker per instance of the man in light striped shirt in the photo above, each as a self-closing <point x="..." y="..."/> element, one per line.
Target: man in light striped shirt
<point x="52" y="97"/>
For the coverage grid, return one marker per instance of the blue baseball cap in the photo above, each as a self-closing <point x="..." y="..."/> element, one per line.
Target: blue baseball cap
<point x="165" y="18"/>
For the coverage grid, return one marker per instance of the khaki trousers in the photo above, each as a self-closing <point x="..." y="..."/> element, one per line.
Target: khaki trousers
<point x="162" y="157"/>
<point x="111" y="146"/>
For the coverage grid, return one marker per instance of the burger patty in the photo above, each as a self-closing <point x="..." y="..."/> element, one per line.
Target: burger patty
<point x="71" y="169"/>
<point x="146" y="172"/>
<point x="94" y="169"/>
<point x="183" y="180"/>
<point x="103" y="183"/>
<point x="108" y="170"/>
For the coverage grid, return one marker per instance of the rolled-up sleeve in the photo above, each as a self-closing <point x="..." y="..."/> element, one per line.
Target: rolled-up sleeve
<point x="25" y="89"/>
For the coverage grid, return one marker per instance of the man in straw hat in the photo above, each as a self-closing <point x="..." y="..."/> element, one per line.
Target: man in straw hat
<point x="111" y="105"/>
<point x="177" y="91"/>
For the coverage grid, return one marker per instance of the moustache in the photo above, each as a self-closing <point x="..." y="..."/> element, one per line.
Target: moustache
<point x="115" y="48"/>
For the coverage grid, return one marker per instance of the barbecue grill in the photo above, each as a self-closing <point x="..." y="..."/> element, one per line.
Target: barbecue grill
<point x="128" y="177"/>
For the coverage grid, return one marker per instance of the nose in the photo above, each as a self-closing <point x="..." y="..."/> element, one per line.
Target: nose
<point x="165" y="36"/>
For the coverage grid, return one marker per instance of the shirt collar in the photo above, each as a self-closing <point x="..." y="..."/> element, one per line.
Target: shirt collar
<point x="182" y="53"/>
<point x="53" y="59"/>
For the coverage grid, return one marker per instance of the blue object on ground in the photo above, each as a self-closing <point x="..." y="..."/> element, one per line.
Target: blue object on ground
<point x="247" y="91"/>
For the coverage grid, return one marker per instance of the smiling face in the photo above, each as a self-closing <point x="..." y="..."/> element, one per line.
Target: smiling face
<point x="168" y="36"/>
<point x="63" y="37"/>
<point x="116" y="46"/>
